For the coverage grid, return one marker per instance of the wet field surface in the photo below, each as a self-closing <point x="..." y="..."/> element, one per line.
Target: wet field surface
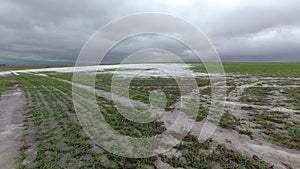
<point x="12" y="103"/>
<point x="258" y="129"/>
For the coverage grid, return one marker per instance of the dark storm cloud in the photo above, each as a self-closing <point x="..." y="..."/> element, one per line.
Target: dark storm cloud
<point x="253" y="19"/>
<point x="53" y="32"/>
<point x="269" y="32"/>
<point x="153" y="43"/>
<point x="49" y="32"/>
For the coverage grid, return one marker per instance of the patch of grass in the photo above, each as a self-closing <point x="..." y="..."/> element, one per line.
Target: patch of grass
<point x="139" y="88"/>
<point x="259" y="96"/>
<point x="192" y="156"/>
<point x="20" y="166"/>
<point x="247" y="108"/>
<point x="290" y="140"/>
<point x="231" y="160"/>
<point x="256" y="95"/>
<point x="246" y="132"/>
<point x="128" y="127"/>
<point x="294" y="96"/>
<point x="195" y="155"/>
<point x="276" y="127"/>
<point x="203" y="111"/>
<point x="270" y="69"/>
<point x="229" y="121"/>
<point x="266" y="117"/>
<point x="3" y="84"/>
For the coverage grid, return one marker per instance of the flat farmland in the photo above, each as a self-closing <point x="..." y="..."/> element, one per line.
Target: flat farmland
<point x="259" y="128"/>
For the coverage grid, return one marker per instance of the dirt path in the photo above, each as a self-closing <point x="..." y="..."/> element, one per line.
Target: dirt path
<point x="11" y="104"/>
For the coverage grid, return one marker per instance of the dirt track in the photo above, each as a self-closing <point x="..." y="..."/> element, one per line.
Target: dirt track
<point x="11" y="104"/>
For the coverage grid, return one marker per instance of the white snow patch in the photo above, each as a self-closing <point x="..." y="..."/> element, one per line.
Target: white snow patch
<point x="140" y="70"/>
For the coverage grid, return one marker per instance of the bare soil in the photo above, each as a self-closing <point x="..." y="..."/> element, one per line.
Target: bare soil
<point x="12" y="102"/>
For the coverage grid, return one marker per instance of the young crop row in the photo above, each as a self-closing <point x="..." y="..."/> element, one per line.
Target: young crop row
<point x="198" y="155"/>
<point x="51" y="133"/>
<point x="281" y="128"/>
<point x="3" y="84"/>
<point x="61" y="142"/>
<point x="139" y="88"/>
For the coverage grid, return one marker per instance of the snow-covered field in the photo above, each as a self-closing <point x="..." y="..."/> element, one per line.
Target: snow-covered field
<point x="141" y="70"/>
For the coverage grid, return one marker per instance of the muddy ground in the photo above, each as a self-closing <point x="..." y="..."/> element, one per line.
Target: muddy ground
<point x="249" y="137"/>
<point x="254" y="145"/>
<point x="11" y="115"/>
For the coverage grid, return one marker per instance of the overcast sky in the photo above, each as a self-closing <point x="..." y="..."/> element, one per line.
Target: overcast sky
<point x="54" y="31"/>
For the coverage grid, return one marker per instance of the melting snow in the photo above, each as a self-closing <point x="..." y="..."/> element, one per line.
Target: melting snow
<point x="140" y="70"/>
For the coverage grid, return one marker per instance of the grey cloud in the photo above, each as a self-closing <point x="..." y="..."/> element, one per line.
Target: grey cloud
<point x="153" y="43"/>
<point x="256" y="18"/>
<point x="53" y="32"/>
